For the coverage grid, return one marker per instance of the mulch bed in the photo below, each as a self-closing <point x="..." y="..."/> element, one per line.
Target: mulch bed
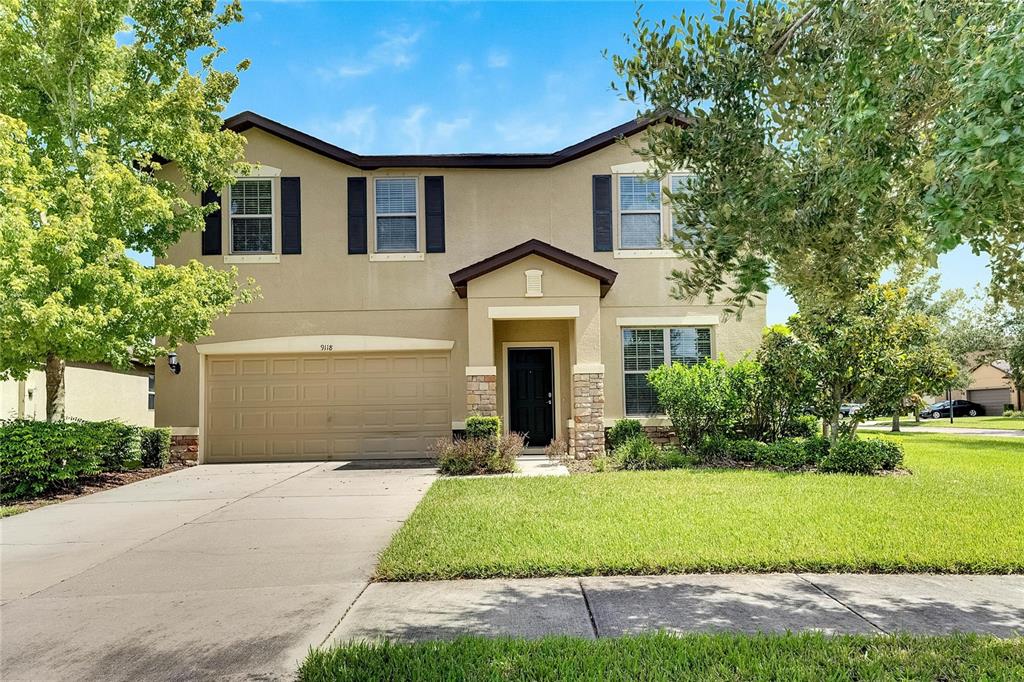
<point x="95" y="484"/>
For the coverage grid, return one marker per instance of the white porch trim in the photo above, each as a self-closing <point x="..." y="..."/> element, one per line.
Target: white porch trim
<point x="533" y="312"/>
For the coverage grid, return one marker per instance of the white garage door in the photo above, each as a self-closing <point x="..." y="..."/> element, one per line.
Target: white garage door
<point x="992" y="398"/>
<point x="325" y="406"/>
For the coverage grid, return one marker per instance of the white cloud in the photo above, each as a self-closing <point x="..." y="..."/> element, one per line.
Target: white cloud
<point x="423" y="135"/>
<point x="355" y="130"/>
<point x="463" y="69"/>
<point x="527" y="133"/>
<point x="497" y="59"/>
<point x="394" y="48"/>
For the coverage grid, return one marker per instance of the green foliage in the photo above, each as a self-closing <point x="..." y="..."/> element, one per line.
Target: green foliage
<point x="40" y="457"/>
<point x="119" y="445"/>
<point x="707" y="399"/>
<point x="820" y="172"/>
<point x="804" y="426"/>
<point x="786" y="453"/>
<point x="622" y="430"/>
<point x="1016" y="414"/>
<point x="785" y="387"/>
<point x="473" y="456"/>
<point x="156" y="447"/>
<point x="816" y="447"/>
<point x="720" y="449"/>
<point x="638" y="453"/>
<point x="875" y="350"/>
<point x="95" y="94"/>
<point x="862" y="456"/>
<point x="483" y="427"/>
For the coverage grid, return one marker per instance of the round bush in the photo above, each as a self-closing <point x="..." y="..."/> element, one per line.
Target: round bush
<point x="786" y="453"/>
<point x="862" y="456"/>
<point x="816" y="448"/>
<point x="804" y="426"/>
<point x="638" y="453"/>
<point x="623" y="430"/>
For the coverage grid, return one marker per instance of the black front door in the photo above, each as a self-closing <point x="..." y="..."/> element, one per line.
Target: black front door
<point x="531" y="403"/>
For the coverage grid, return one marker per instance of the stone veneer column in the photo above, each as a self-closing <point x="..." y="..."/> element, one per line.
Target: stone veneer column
<point x="482" y="394"/>
<point x="184" y="448"/>
<point x="588" y="415"/>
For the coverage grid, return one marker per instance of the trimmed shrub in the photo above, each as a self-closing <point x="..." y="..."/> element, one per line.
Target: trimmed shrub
<point x="638" y="453"/>
<point x="804" y="426"/>
<point x="722" y="449"/>
<point x="1016" y="414"/>
<point x="120" y="445"/>
<point x="862" y="456"/>
<point x="39" y="457"/>
<point x="465" y="456"/>
<point x="623" y="430"/>
<point x="708" y="399"/>
<point x="483" y="427"/>
<point x="786" y="453"/>
<point x="156" y="447"/>
<point x="816" y="448"/>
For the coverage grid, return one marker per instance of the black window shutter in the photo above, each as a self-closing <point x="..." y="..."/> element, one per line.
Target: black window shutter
<point x="291" y="216"/>
<point x="357" y="215"/>
<point x="602" y="213"/>
<point x="211" y="232"/>
<point x="433" y="186"/>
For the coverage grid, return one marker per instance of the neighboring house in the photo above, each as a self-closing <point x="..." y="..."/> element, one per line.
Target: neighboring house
<point x="403" y="293"/>
<point x="92" y="391"/>
<point x="992" y="387"/>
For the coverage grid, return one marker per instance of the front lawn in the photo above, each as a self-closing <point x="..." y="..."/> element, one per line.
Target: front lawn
<point x="664" y="657"/>
<point x="1011" y="423"/>
<point x="959" y="511"/>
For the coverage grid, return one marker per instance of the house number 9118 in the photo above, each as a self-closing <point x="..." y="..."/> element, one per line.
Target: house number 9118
<point x="326" y="346"/>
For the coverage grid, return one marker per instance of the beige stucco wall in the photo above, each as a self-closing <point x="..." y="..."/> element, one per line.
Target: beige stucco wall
<point x="325" y="290"/>
<point x="91" y="392"/>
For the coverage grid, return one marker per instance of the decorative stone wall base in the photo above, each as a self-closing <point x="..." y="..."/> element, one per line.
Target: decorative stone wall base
<point x="661" y="435"/>
<point x="482" y="395"/>
<point x="184" y="448"/>
<point x="588" y="416"/>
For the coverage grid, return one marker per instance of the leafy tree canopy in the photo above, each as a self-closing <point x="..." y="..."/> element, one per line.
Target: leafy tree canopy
<point x="93" y="94"/>
<point x="832" y="140"/>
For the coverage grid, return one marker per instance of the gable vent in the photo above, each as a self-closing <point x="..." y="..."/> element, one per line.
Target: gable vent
<point x="533" y="285"/>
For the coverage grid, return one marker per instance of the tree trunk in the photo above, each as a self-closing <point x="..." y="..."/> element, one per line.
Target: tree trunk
<point x="896" y="423"/>
<point x="54" y="388"/>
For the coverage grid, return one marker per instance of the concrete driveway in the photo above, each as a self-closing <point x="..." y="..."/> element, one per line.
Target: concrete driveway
<point x="219" y="571"/>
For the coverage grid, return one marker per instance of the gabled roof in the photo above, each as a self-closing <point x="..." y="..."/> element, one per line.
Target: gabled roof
<point x="247" y="119"/>
<point x="460" y="278"/>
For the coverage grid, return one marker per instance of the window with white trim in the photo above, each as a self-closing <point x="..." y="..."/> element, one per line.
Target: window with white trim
<point x="645" y="349"/>
<point x="639" y="213"/>
<point x="252" y="216"/>
<point x="396" y="215"/>
<point x="151" y="401"/>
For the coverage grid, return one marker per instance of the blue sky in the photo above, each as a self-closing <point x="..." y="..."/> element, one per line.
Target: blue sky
<point x="412" y="77"/>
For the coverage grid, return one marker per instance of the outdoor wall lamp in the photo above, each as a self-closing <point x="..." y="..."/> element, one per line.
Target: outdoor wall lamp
<point x="172" y="362"/>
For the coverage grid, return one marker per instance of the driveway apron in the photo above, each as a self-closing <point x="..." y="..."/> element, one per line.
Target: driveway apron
<point x="219" y="571"/>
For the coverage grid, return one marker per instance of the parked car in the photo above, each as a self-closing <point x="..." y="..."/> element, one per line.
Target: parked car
<point x="849" y="409"/>
<point x="961" y="408"/>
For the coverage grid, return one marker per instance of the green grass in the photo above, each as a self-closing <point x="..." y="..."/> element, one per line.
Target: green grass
<point x="959" y="511"/>
<point x="664" y="657"/>
<point x="11" y="510"/>
<point x="1011" y="423"/>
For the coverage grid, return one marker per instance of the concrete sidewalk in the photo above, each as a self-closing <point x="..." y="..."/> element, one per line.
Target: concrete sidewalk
<point x="612" y="606"/>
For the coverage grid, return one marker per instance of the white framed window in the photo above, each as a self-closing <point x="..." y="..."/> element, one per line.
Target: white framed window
<point x="151" y="401"/>
<point x="639" y="213"/>
<point x="252" y="215"/>
<point x="396" y="215"/>
<point x="645" y="349"/>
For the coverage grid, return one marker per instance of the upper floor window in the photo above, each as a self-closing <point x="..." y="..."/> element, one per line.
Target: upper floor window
<point x="252" y="216"/>
<point x="639" y="213"/>
<point x="396" y="210"/>
<point x="678" y="183"/>
<point x="645" y="349"/>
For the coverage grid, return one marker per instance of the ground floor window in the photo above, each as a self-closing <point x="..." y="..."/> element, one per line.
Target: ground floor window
<point x="645" y="349"/>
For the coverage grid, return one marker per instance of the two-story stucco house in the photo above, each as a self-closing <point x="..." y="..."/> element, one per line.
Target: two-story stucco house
<point x="403" y="293"/>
